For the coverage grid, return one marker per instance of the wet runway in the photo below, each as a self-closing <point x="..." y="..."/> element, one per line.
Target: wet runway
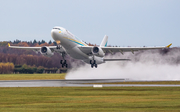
<point x="80" y="83"/>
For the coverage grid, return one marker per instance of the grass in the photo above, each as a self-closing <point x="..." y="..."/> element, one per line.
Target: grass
<point x="31" y="76"/>
<point x="89" y="99"/>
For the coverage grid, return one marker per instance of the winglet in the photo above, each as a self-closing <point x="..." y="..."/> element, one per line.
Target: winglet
<point x="9" y="45"/>
<point x="169" y="45"/>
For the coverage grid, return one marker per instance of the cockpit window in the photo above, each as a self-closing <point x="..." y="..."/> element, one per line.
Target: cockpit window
<point x="57" y="28"/>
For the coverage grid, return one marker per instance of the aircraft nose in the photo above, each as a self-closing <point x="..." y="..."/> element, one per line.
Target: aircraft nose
<point x="54" y="34"/>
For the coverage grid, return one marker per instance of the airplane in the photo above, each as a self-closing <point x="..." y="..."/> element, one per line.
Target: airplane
<point x="69" y="44"/>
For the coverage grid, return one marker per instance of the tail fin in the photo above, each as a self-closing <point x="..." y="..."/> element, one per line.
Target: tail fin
<point x="104" y="41"/>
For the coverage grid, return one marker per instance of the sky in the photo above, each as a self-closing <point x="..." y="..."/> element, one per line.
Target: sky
<point x="126" y="22"/>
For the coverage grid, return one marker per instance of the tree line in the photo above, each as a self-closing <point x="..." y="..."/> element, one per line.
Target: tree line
<point x="36" y="63"/>
<point x="29" y="60"/>
<point x="33" y="43"/>
<point x="6" y="68"/>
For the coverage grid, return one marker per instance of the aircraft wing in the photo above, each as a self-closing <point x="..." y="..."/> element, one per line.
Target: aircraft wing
<point x="30" y="48"/>
<point x="37" y="49"/>
<point x="130" y="49"/>
<point x="87" y="49"/>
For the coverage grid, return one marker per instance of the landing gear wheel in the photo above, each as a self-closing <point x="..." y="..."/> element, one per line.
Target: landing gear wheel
<point x="90" y="61"/>
<point x="61" y="61"/>
<point x="96" y="65"/>
<point x="92" y="65"/>
<point x="94" y="61"/>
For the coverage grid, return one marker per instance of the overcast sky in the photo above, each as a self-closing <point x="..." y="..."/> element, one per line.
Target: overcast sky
<point x="126" y="22"/>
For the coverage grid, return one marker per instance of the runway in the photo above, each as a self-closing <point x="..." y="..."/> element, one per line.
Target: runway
<point x="78" y="83"/>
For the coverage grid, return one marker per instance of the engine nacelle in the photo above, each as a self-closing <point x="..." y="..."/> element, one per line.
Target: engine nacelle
<point x="97" y="51"/>
<point x="46" y="51"/>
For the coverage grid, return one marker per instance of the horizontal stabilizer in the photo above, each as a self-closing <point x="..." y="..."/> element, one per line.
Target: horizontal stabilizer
<point x="117" y="60"/>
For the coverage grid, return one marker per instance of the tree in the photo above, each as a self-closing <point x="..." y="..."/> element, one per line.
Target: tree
<point x="34" y="42"/>
<point x="6" y="68"/>
<point x="55" y="43"/>
<point x="39" y="43"/>
<point x="42" y="42"/>
<point x="50" y="42"/>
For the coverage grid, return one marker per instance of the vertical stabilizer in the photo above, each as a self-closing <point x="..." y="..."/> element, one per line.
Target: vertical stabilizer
<point x="104" y="41"/>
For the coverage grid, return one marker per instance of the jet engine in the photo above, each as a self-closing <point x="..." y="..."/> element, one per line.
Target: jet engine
<point x="46" y="51"/>
<point x="97" y="51"/>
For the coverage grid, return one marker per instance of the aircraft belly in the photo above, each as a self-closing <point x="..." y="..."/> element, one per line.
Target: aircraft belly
<point x="77" y="53"/>
<point x="67" y="44"/>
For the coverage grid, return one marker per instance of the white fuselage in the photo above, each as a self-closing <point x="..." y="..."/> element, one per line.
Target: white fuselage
<point x="71" y="44"/>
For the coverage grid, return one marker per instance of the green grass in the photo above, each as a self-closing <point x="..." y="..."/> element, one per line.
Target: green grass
<point x="31" y="76"/>
<point x="89" y="99"/>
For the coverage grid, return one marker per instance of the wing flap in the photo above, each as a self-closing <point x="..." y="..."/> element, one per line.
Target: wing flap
<point x="117" y="60"/>
<point x="130" y="49"/>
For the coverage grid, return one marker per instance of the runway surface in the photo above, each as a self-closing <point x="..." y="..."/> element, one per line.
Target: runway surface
<point x="78" y="83"/>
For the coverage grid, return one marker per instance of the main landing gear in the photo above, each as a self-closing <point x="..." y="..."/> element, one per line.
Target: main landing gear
<point x="63" y="62"/>
<point x="93" y="63"/>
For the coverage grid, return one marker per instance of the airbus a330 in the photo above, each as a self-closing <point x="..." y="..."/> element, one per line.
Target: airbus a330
<point x="69" y="44"/>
